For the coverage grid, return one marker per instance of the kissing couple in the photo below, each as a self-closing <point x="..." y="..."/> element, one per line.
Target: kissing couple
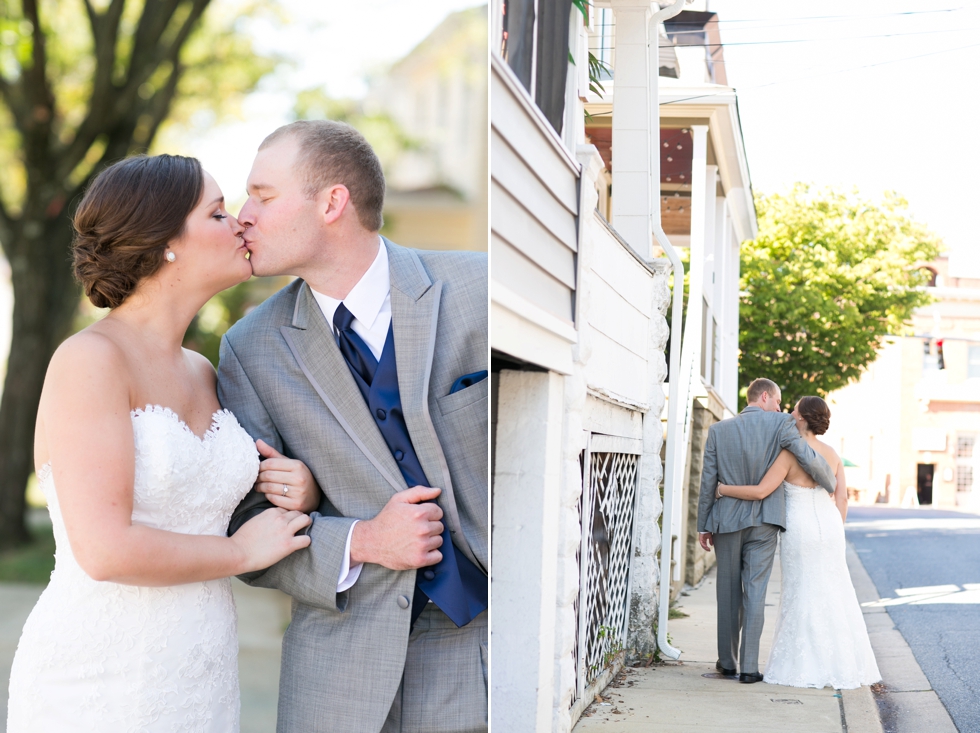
<point x="767" y="478"/>
<point x="339" y="455"/>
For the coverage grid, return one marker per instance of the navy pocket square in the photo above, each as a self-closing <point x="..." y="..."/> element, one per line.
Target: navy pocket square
<point x="468" y="380"/>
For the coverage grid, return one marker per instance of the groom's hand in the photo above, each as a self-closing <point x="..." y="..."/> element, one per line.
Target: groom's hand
<point x="405" y="535"/>
<point x="707" y="540"/>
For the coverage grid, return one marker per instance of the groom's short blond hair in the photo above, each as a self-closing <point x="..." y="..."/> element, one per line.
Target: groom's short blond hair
<point x="759" y="386"/>
<point x="334" y="152"/>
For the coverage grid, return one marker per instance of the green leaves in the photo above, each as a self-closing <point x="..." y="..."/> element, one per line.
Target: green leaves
<point x="829" y="276"/>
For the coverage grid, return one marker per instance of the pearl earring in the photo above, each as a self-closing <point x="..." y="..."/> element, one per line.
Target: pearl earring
<point x="171" y="257"/>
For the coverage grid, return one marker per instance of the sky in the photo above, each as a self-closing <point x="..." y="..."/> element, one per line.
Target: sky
<point x="887" y="113"/>
<point x="329" y="44"/>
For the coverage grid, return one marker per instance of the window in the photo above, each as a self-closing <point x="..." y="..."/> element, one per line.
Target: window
<point x="973" y="361"/>
<point x="535" y="46"/>
<point x="601" y="42"/>
<point x="964" y="446"/>
<point x="964" y="461"/>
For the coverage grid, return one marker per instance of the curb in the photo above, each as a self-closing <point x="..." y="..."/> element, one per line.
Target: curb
<point x="905" y="700"/>
<point x="859" y="711"/>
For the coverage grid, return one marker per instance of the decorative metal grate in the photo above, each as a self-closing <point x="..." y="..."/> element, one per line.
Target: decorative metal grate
<point x="609" y="491"/>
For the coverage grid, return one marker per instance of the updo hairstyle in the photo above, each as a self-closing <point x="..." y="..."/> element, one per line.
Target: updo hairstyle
<point x="126" y="219"/>
<point x="816" y="413"/>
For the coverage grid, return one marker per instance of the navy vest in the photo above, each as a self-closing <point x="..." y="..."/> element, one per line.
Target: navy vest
<point x="455" y="584"/>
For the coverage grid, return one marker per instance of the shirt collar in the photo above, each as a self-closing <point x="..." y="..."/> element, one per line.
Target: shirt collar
<point x="750" y="408"/>
<point x="368" y="295"/>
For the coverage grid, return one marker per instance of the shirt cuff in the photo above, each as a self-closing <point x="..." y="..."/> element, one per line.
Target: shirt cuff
<point x="348" y="574"/>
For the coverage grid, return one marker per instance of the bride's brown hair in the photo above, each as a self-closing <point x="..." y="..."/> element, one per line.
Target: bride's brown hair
<point x="126" y="219"/>
<point x="816" y="413"/>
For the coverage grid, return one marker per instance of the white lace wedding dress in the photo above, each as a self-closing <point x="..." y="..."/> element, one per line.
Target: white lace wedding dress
<point x="99" y="657"/>
<point x="820" y="636"/>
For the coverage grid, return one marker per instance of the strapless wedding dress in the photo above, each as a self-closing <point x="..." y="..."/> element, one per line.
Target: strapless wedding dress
<point x="820" y="636"/>
<point x="100" y="657"/>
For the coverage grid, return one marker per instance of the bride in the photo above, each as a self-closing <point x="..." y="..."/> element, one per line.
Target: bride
<point x="820" y="636"/>
<point x="136" y="630"/>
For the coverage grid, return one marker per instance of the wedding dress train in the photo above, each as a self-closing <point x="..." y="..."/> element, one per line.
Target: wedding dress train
<point x="820" y="637"/>
<point x="101" y="656"/>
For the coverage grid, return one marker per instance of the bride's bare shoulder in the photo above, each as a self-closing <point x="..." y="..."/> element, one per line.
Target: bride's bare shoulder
<point x="89" y="360"/>
<point x="90" y="344"/>
<point x="829" y="454"/>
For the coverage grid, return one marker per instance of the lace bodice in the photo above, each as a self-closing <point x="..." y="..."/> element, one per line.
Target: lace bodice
<point x="182" y="483"/>
<point x="98" y="656"/>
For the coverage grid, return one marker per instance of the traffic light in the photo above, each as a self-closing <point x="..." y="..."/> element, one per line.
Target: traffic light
<point x="939" y="353"/>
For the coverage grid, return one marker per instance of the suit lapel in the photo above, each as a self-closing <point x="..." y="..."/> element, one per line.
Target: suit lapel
<point x="312" y="344"/>
<point x="415" y="318"/>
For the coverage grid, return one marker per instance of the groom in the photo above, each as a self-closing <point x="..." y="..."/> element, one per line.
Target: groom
<point x="739" y="451"/>
<point x="371" y="369"/>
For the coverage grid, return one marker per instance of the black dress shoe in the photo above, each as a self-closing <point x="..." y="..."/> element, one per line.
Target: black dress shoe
<point x="750" y="677"/>
<point x="726" y="672"/>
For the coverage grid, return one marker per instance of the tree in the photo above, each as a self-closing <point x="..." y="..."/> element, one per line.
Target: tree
<point x="82" y="84"/>
<point x="828" y="278"/>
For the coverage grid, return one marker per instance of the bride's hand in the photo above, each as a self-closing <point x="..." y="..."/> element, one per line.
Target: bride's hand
<point x="270" y="536"/>
<point x="286" y="482"/>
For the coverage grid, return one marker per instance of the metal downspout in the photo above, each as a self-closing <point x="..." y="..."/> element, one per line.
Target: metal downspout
<point x="653" y="61"/>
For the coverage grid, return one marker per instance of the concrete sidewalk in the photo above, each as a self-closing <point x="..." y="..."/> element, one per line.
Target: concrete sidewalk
<point x="262" y="618"/>
<point x="676" y="696"/>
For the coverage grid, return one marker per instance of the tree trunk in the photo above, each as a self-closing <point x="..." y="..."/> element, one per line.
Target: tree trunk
<point x="45" y="301"/>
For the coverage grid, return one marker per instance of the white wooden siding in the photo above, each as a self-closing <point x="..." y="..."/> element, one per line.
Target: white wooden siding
<point x="533" y="200"/>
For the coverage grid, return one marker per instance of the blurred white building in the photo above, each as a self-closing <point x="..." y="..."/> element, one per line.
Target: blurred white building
<point x="911" y="422"/>
<point x="437" y="94"/>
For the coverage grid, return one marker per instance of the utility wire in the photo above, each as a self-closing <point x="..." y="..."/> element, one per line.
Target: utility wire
<point x="840" y="17"/>
<point x="829" y="73"/>
<point x="813" y="40"/>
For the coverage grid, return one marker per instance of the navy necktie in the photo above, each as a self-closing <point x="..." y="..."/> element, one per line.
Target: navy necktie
<point x="355" y="351"/>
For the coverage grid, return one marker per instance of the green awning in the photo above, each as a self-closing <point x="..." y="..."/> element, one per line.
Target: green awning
<point x="849" y="464"/>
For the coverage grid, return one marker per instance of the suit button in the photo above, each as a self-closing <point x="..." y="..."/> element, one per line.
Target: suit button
<point x="403" y="602"/>
<point x="399" y="455"/>
<point x="429" y="575"/>
<point x="381" y="414"/>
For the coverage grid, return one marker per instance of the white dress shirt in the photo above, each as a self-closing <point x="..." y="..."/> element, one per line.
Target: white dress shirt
<point x="369" y="301"/>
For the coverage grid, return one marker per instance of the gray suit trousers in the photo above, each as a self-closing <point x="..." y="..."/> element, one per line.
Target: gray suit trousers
<point x="444" y="687"/>
<point x="744" y="563"/>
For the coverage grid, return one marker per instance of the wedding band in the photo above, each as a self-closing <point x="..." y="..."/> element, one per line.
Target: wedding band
<point x="285" y="489"/>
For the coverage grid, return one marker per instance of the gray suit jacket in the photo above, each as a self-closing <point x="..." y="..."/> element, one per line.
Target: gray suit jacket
<point x="283" y="376"/>
<point x="739" y="452"/>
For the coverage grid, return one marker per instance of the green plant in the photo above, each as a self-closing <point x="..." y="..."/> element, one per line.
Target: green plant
<point x="31" y="562"/>
<point x="613" y="647"/>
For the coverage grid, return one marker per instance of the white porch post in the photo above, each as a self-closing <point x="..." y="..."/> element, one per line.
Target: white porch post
<point x="691" y="348"/>
<point x="631" y="134"/>
<point x="525" y="548"/>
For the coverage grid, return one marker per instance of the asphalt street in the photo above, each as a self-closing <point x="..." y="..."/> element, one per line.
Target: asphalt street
<point x="925" y="564"/>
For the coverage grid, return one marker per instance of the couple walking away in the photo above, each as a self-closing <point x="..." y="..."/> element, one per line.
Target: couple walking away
<point x="763" y="478"/>
<point x="362" y="385"/>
